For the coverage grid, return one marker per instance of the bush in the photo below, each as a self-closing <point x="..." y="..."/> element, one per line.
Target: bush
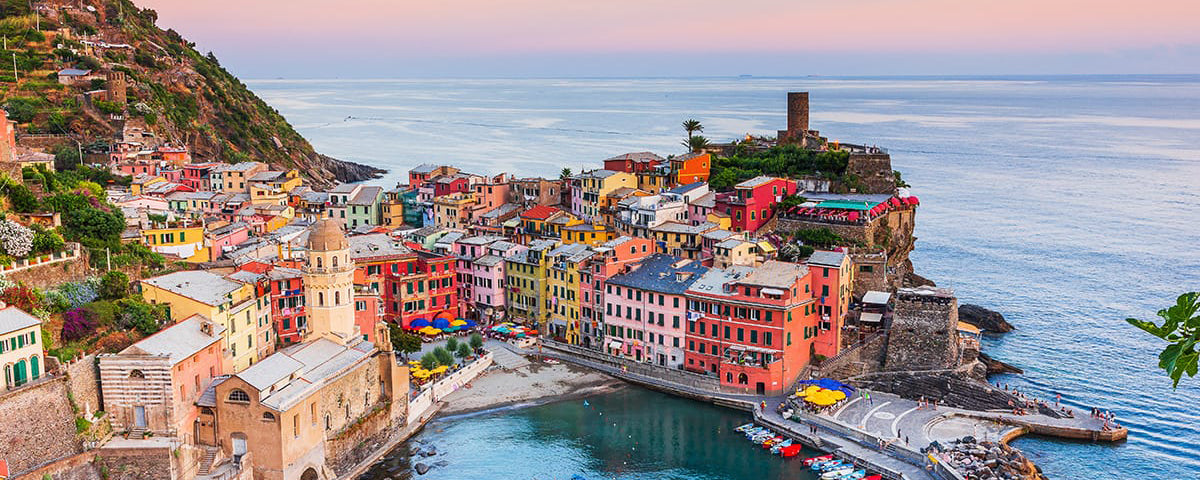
<point x="429" y="361"/>
<point x="104" y="312"/>
<point x="476" y="341"/>
<point x="108" y="107"/>
<point x="452" y="344"/>
<point x="21" y="198"/>
<point x="15" y="239"/>
<point x="22" y="296"/>
<point x="463" y="351"/>
<point x="78" y="324"/>
<point x="114" y="285"/>
<point x="443" y="356"/>
<point x="139" y="315"/>
<point x="819" y="237"/>
<point x="46" y="241"/>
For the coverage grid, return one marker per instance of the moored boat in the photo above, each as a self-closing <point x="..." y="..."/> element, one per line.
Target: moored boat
<point x="837" y="472"/>
<point x="780" y="446"/>
<point x="812" y="460"/>
<point x="743" y="428"/>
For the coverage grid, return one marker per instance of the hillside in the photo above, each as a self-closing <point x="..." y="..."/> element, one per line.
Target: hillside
<point x="170" y="89"/>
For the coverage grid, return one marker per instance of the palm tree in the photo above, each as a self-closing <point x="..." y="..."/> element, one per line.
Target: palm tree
<point x="691" y="126"/>
<point x="695" y="143"/>
<point x="564" y="174"/>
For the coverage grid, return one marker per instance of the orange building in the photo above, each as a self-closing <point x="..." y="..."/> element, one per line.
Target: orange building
<point x="691" y="168"/>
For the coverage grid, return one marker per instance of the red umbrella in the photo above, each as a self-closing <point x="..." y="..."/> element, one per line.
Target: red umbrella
<point x="853" y="216"/>
<point x="894" y="201"/>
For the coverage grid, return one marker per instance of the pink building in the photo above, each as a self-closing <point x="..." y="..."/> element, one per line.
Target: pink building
<point x="488" y="277"/>
<point x="196" y="175"/>
<point x="749" y="205"/>
<point x="153" y="384"/>
<point x="611" y="258"/>
<point x="645" y="310"/>
<point x="171" y="174"/>
<point x="368" y="312"/>
<point x="466" y="251"/>
<point x="490" y="194"/>
<point x="230" y="235"/>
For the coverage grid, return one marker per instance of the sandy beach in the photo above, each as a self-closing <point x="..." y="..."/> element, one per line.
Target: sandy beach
<point x="533" y="384"/>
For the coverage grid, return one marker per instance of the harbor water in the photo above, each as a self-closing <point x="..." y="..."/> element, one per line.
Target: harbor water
<point x="1066" y="203"/>
<point x="632" y="434"/>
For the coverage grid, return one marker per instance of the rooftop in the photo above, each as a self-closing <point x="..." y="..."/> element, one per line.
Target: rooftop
<point x="713" y="282"/>
<point x="366" y="196"/>
<point x="179" y="341"/>
<point x="638" y="157"/>
<point x="602" y="173"/>
<point x="540" y="212"/>
<point x="199" y="285"/>
<point x="776" y="274"/>
<point x="294" y="373"/>
<point x="423" y="168"/>
<point x="376" y="245"/>
<point x="826" y="258"/>
<point x="684" y="189"/>
<point x="755" y="182"/>
<point x="13" y="319"/>
<point x="658" y="273"/>
<point x="677" y="227"/>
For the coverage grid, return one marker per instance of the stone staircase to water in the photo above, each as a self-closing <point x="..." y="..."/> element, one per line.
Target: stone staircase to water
<point x="206" y="462"/>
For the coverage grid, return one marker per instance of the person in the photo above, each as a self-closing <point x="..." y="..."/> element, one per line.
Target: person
<point x="763" y="405"/>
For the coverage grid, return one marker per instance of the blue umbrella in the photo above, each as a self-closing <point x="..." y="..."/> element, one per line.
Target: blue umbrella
<point x="829" y="384"/>
<point x="441" y="323"/>
<point x="470" y="323"/>
<point x="420" y="322"/>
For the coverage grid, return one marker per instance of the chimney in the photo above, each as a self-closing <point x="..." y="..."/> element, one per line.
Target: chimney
<point x="797" y="114"/>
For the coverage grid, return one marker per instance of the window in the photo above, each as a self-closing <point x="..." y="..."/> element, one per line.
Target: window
<point x="268" y="417"/>
<point x="866" y="268"/>
<point x="238" y="396"/>
<point x="767" y="338"/>
<point x="139" y="374"/>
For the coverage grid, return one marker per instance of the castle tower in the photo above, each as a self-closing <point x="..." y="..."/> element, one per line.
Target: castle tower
<point x="797" y="114"/>
<point x="116" y="87"/>
<point x="329" y="284"/>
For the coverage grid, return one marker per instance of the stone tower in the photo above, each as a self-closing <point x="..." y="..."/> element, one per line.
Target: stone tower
<point x="329" y="284"/>
<point x="797" y="114"/>
<point x="924" y="332"/>
<point x="116" y="87"/>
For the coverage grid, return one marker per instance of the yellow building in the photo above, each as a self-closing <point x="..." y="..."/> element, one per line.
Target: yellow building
<point x="393" y="211"/>
<point x="594" y="186"/>
<point x="142" y="181"/>
<point x="587" y="233"/>
<point x="452" y="211"/>
<point x="20" y="348"/>
<point x="234" y="305"/>
<point x="273" y="187"/>
<point x="527" y="289"/>
<point x="680" y="239"/>
<point x="563" y="281"/>
<point x="186" y="242"/>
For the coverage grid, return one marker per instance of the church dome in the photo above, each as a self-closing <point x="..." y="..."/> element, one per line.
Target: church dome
<point x="326" y="235"/>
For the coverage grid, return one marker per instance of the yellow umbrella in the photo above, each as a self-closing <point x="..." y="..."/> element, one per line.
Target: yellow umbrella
<point x="421" y="373"/>
<point x="430" y="331"/>
<point x="440" y="369"/>
<point x="458" y="323"/>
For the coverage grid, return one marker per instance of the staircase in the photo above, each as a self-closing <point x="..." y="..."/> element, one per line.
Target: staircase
<point x="206" y="462"/>
<point x="137" y="433"/>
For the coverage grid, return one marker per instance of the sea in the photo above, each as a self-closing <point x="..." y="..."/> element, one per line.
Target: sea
<point x="1066" y="203"/>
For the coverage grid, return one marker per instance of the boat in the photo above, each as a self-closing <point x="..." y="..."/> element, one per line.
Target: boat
<point x="791" y="450"/>
<point x="873" y="477"/>
<point x="743" y="428"/>
<point x="775" y="449"/>
<point x="822" y="466"/>
<point x="855" y="475"/>
<point x="837" y="467"/>
<point x="771" y="441"/>
<point x="837" y="473"/>
<point x="822" y="458"/>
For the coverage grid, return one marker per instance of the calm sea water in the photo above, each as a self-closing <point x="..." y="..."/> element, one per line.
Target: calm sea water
<point x="631" y="434"/>
<point x="1067" y="203"/>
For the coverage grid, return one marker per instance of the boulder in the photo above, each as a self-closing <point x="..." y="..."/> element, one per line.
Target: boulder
<point x="984" y="319"/>
<point x="421" y="468"/>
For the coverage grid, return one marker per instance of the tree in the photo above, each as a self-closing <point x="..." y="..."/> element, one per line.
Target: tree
<point x="22" y="199"/>
<point x="692" y="126"/>
<point x="443" y="356"/>
<point x="1181" y="329"/>
<point x="564" y="174"/>
<point x="463" y="351"/>
<point x="695" y="143"/>
<point x="452" y="344"/>
<point x="404" y="342"/>
<point x="476" y="341"/>
<point x="93" y="223"/>
<point x="21" y="109"/>
<point x="429" y="361"/>
<point x="114" y="285"/>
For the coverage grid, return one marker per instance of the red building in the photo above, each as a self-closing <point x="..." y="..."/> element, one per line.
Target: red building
<point x="286" y="288"/>
<point x="196" y="175"/>
<point x="749" y="205"/>
<point x="634" y="162"/>
<point x="753" y="328"/>
<point x="368" y="311"/>
<point x="448" y="184"/>
<point x="411" y="282"/>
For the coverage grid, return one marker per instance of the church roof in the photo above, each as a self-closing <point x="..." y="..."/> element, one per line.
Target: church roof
<point x="327" y="235"/>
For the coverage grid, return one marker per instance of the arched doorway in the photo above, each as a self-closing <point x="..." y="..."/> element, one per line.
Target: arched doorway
<point x="34" y="367"/>
<point x="239" y="446"/>
<point x="20" y="375"/>
<point x="309" y="474"/>
<point x="743" y="379"/>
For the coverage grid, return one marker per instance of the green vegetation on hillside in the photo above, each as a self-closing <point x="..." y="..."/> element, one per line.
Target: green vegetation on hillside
<point x="779" y="161"/>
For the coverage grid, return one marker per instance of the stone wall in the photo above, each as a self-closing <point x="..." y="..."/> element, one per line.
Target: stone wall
<point x="346" y="449"/>
<point x="875" y="170"/>
<point x="38" y="425"/>
<point x="53" y="274"/>
<point x="924" y="332"/>
<point x="855" y="360"/>
<point x="84" y="383"/>
<point x="136" y="463"/>
<point x="78" y="467"/>
<point x="886" y="241"/>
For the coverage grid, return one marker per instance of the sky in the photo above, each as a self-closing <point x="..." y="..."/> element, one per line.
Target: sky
<point x="621" y="38"/>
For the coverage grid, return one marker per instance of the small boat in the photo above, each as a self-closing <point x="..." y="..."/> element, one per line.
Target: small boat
<point x="743" y="428"/>
<point x="775" y="449"/>
<point x="838" y="467"/>
<point x="837" y="473"/>
<point x="855" y="475"/>
<point x="822" y="458"/>
<point x="873" y="477"/>
<point x="791" y="450"/>
<point x="822" y="466"/>
<point x="771" y="441"/>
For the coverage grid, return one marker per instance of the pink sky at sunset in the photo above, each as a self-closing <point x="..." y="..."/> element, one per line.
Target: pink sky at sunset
<point x="396" y="36"/>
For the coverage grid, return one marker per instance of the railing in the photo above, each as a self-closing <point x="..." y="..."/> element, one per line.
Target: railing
<point x="680" y="377"/>
<point x="45" y="259"/>
<point x="836" y="361"/>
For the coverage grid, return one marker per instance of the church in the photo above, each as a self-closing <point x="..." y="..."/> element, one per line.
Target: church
<point x="290" y="414"/>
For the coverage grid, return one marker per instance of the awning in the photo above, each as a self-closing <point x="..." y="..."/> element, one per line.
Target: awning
<point x="966" y="327"/>
<point x="871" y="317"/>
<point x="877" y="298"/>
<point x="614" y="344"/>
<point x="773" y="291"/>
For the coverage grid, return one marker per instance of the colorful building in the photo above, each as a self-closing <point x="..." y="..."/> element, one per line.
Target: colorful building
<point x="592" y="186"/>
<point x="181" y="240"/>
<point x="21" y="351"/>
<point x="755" y="329"/>
<point x="525" y="274"/>
<point x="229" y="303"/>
<point x="563" y="280"/>
<point x="749" y="205"/>
<point x="587" y="233"/>
<point x="633" y="162"/>
<point x="833" y="287"/>
<point x="690" y="168"/>
<point x="645" y="310"/>
<point x="610" y="258"/>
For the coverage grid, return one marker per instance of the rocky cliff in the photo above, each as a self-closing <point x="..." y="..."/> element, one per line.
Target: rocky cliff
<point x="145" y="77"/>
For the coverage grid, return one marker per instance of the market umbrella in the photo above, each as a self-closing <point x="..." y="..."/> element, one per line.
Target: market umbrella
<point x="441" y="323"/>
<point x="458" y="323"/>
<point x="440" y="369"/>
<point x="430" y="331"/>
<point x="420" y="322"/>
<point x="829" y="384"/>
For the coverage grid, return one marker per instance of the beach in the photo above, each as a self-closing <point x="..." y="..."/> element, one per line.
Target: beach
<point x="534" y="383"/>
